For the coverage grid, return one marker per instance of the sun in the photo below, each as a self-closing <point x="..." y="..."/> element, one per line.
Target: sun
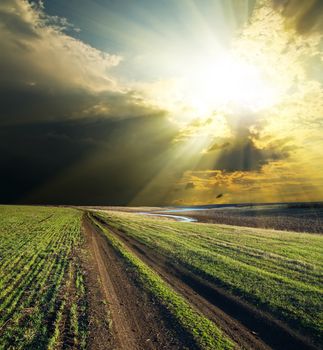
<point x="227" y="82"/>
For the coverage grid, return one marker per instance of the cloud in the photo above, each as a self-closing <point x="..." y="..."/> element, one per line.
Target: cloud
<point x="50" y="56"/>
<point x="55" y="76"/>
<point x="276" y="182"/>
<point x="189" y="186"/>
<point x="305" y="16"/>
<point x="85" y="161"/>
<point x="80" y="135"/>
<point x="67" y="123"/>
<point x="217" y="146"/>
<point x="244" y="155"/>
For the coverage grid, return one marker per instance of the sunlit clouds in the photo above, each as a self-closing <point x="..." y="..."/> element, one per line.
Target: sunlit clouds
<point x="254" y="112"/>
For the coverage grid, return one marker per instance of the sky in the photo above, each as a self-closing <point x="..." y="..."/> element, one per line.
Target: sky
<point x="144" y="102"/>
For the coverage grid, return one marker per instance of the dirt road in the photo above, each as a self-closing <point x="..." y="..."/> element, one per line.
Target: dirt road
<point x="135" y="322"/>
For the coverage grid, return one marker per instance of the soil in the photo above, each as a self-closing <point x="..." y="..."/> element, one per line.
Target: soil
<point x="247" y="326"/>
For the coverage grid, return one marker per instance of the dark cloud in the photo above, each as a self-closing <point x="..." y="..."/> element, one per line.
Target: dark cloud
<point x="39" y="103"/>
<point x="189" y="186"/>
<point x="82" y="162"/>
<point x="240" y="152"/>
<point x="305" y="16"/>
<point x="244" y="155"/>
<point x="217" y="146"/>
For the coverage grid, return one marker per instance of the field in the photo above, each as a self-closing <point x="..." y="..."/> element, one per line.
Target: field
<point x="299" y="217"/>
<point x="42" y="287"/>
<point x="105" y="279"/>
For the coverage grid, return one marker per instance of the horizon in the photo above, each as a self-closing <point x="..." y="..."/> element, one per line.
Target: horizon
<point x="211" y="205"/>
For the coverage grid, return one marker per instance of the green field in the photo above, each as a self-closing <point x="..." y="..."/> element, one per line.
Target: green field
<point x="42" y="294"/>
<point x="44" y="289"/>
<point x="278" y="272"/>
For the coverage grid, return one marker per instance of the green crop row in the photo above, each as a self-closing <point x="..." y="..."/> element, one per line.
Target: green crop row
<point x="42" y="293"/>
<point x="278" y="272"/>
<point x="204" y="333"/>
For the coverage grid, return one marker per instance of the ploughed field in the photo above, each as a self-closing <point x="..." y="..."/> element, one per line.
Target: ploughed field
<point x="105" y="279"/>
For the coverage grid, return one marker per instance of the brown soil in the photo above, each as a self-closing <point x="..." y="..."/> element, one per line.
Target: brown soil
<point x="131" y="320"/>
<point x="248" y="327"/>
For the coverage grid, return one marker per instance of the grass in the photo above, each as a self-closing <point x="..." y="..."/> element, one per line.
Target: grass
<point x="42" y="292"/>
<point x="278" y="272"/>
<point x="204" y="333"/>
